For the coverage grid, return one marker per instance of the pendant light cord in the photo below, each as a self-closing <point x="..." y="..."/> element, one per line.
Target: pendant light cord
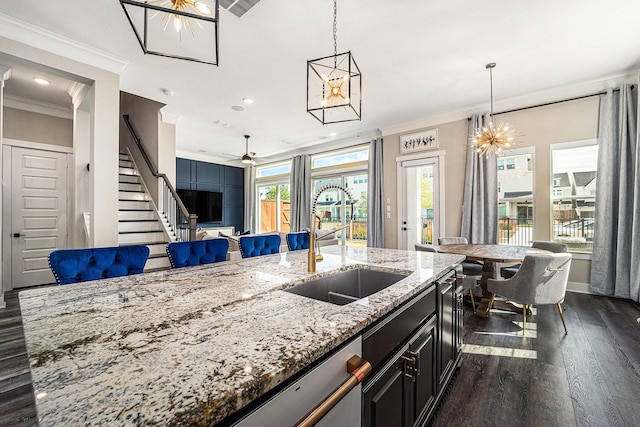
<point x="490" y="66"/>
<point x="335" y="33"/>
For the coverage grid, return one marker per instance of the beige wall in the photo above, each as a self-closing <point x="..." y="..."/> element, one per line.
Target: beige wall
<point x="542" y="126"/>
<point x="36" y="127"/>
<point x="145" y="119"/>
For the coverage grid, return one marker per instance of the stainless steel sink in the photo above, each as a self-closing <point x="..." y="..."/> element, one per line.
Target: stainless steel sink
<point x="347" y="286"/>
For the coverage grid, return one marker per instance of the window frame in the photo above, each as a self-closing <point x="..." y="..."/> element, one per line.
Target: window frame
<point x="561" y="146"/>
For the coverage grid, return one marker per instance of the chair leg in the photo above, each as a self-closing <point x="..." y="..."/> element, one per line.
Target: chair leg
<point x="524" y="317"/>
<point x="562" y="318"/>
<point x="493" y="297"/>
<point x="473" y="302"/>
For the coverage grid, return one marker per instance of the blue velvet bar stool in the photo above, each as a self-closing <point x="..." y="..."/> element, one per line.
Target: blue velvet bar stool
<point x="197" y="252"/>
<point x="81" y="265"/>
<point x="264" y="244"/>
<point x="298" y="241"/>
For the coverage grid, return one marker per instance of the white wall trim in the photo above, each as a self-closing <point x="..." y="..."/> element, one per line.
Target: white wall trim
<point x="31" y="35"/>
<point x="580" y="288"/>
<point x="37" y="146"/>
<point x="33" y="106"/>
<point x="583" y="88"/>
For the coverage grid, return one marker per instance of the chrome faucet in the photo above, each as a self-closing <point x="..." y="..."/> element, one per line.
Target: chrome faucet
<point x="313" y="258"/>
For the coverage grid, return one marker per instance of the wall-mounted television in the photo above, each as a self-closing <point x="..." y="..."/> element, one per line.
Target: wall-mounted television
<point x="206" y="204"/>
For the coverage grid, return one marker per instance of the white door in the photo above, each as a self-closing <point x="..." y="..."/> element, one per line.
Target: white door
<point x="420" y="202"/>
<point x="38" y="213"/>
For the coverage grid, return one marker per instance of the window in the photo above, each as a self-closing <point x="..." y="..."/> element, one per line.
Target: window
<point x="273" y="170"/>
<point x="574" y="167"/>
<point x="515" y="198"/>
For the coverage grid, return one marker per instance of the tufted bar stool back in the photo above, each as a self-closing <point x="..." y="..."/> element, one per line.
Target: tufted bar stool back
<point x="81" y="265"/>
<point x="197" y="252"/>
<point x="297" y="241"/>
<point x="263" y="244"/>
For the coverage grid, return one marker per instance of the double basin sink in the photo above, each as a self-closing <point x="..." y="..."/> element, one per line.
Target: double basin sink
<point x="347" y="286"/>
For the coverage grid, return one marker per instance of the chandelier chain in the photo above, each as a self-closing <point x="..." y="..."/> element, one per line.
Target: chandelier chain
<point x="335" y="27"/>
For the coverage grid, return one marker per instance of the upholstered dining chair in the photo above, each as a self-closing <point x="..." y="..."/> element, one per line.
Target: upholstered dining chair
<point x="197" y="252"/>
<point x="263" y="244"/>
<point x="541" y="280"/>
<point x="555" y="247"/>
<point x="422" y="247"/>
<point x="469" y="282"/>
<point x="81" y="265"/>
<point x="298" y="241"/>
<point x="469" y="267"/>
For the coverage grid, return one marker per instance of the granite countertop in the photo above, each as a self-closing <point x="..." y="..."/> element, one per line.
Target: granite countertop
<point x="195" y="345"/>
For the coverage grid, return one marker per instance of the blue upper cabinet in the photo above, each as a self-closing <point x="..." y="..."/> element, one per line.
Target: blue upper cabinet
<point x="197" y="175"/>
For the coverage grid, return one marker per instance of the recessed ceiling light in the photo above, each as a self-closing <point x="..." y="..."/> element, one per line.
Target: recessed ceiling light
<point x="202" y="151"/>
<point x="41" y="81"/>
<point x="237" y="108"/>
<point x="332" y="134"/>
<point x="247" y="100"/>
<point x="167" y="92"/>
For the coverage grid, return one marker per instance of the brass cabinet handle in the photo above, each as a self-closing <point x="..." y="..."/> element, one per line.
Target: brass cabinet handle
<point x="359" y="370"/>
<point x="555" y="269"/>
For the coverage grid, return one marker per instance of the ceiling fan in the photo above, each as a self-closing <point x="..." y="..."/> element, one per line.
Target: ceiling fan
<point x="248" y="156"/>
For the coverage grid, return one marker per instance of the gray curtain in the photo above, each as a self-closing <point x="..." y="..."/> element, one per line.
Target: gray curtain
<point x="480" y="200"/>
<point x="300" y="192"/>
<point x="615" y="268"/>
<point x="375" y="202"/>
<point x="249" y="199"/>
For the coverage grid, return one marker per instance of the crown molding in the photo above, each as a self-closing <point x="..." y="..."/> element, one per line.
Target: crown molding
<point x="20" y="103"/>
<point x="555" y="94"/>
<point x="76" y="91"/>
<point x="23" y="32"/>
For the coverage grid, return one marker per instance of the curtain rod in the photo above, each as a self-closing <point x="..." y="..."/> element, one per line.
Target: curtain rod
<point x="555" y="102"/>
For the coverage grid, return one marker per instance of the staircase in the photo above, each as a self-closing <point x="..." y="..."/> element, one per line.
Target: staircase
<point x="138" y="221"/>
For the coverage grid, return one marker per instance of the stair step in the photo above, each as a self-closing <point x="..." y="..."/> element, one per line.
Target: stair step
<point x="142" y="238"/>
<point x="157" y="249"/>
<point x="158" y="263"/>
<point x="127" y="171"/>
<point x="129" y="179"/>
<point x="141" y="215"/>
<point x="134" y="204"/>
<point x="132" y="195"/>
<point x="124" y="156"/>
<point x="141" y="226"/>
<point x="130" y="186"/>
<point x="125" y="163"/>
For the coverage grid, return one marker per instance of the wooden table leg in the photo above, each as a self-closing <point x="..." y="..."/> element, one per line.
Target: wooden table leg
<point x="488" y="272"/>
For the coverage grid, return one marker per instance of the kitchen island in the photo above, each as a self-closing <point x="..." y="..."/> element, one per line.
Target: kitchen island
<point x="196" y="345"/>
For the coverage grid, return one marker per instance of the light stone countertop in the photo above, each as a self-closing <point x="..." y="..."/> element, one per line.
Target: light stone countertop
<point x="192" y="346"/>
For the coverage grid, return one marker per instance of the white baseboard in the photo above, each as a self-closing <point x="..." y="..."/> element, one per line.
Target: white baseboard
<point x="581" y="288"/>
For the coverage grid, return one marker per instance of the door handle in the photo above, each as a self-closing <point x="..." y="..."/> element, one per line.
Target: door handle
<point x="18" y="235"/>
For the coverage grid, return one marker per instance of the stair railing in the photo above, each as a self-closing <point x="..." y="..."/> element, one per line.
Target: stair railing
<point x="180" y="220"/>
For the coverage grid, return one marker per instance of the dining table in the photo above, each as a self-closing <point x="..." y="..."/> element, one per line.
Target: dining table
<point x="490" y="254"/>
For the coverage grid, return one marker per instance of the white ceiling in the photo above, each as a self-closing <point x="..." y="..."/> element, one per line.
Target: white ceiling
<point x="419" y="60"/>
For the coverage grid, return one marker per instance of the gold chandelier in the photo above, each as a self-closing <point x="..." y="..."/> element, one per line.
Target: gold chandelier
<point x="195" y="23"/>
<point x="492" y="139"/>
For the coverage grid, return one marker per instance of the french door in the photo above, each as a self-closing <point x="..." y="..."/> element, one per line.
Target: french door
<point x="419" y="198"/>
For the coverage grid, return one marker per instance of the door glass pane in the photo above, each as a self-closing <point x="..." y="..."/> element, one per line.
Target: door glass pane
<point x="357" y="230"/>
<point x="274" y="208"/>
<point x="420" y="182"/>
<point x="515" y="200"/>
<point x="329" y="205"/>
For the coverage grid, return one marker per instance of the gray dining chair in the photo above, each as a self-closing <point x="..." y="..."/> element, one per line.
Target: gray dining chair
<point x="555" y="247"/>
<point x="469" y="282"/>
<point x="541" y="280"/>
<point x="469" y="267"/>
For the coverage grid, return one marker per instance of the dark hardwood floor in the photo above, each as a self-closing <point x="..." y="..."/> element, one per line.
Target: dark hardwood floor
<point x="590" y="377"/>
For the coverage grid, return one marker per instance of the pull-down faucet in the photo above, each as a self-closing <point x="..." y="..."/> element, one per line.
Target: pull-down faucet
<point x="312" y="232"/>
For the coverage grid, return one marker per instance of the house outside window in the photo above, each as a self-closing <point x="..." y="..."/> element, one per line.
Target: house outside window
<point x="273" y="206"/>
<point x="515" y="197"/>
<point x="574" y="169"/>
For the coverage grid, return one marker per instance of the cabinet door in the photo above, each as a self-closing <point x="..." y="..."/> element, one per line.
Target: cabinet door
<point x="458" y="321"/>
<point x="422" y="350"/>
<point x="446" y="328"/>
<point x="385" y="398"/>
